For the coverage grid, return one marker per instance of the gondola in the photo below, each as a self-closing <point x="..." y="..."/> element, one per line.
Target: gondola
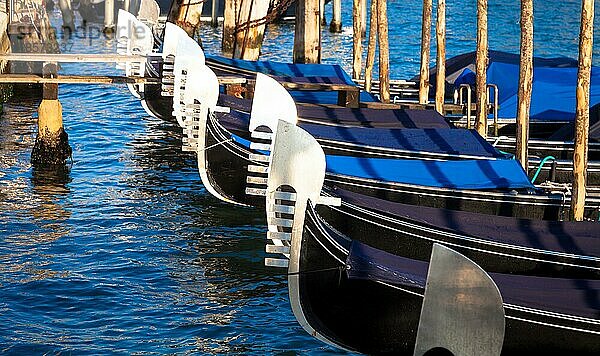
<point x="157" y="100"/>
<point x="363" y="293"/>
<point x="225" y="158"/>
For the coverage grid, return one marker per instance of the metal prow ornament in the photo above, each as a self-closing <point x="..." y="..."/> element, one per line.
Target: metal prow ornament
<point x="295" y="179"/>
<point x="173" y="35"/>
<point x="462" y="309"/>
<point x="188" y="54"/>
<point x="133" y="38"/>
<point x="271" y="103"/>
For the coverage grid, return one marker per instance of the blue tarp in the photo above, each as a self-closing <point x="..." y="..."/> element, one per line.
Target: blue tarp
<point x="444" y="141"/>
<point x="286" y="69"/>
<point x="291" y="70"/>
<point x="464" y="174"/>
<point x="554" y="82"/>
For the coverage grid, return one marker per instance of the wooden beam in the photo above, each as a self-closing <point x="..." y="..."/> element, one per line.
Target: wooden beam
<point x="384" y="51"/>
<point x="481" y="68"/>
<point x="525" y="82"/>
<point x="357" y="22"/>
<point x="440" y="30"/>
<point x="582" y="113"/>
<point x="71" y="57"/>
<point x="425" y="52"/>
<point x="336" y="21"/>
<point x="229" y="21"/>
<point x="371" y="46"/>
<point x="73" y="79"/>
<point x="307" y="36"/>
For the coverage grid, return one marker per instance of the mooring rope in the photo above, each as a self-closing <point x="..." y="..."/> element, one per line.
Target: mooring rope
<point x="339" y="268"/>
<point x="217" y="144"/>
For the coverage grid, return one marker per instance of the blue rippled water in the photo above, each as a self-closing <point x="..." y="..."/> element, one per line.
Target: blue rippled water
<point x="127" y="252"/>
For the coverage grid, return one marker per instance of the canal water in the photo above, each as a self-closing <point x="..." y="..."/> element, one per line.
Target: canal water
<point x="126" y="251"/>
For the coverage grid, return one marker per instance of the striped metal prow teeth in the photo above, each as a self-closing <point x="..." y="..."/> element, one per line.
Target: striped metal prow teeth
<point x="277" y="262"/>
<point x="259" y="158"/>
<point x="258" y="169"/>
<point x="256" y="191"/>
<point x="279" y="227"/>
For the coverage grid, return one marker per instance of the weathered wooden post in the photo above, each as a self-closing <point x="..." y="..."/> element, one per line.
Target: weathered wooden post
<point x="425" y="52"/>
<point x="440" y="31"/>
<point x="336" y="20"/>
<point x="357" y="22"/>
<point x="371" y="46"/>
<point x="363" y="25"/>
<point x="384" y="51"/>
<point x="109" y="16"/>
<point x="214" y="18"/>
<point x="186" y="14"/>
<point x="481" y="68"/>
<point x="307" y="36"/>
<point x="322" y="12"/>
<point x="249" y="36"/>
<point x="67" y="14"/>
<point x="229" y="21"/>
<point x="525" y="82"/>
<point x="582" y="114"/>
<point x="51" y="146"/>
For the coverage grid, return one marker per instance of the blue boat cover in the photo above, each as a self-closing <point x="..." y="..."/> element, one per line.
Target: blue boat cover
<point x="365" y="117"/>
<point x="464" y="174"/>
<point x="554" y="82"/>
<point x="286" y="69"/>
<point x="322" y="71"/>
<point x="578" y="297"/>
<point x="443" y="141"/>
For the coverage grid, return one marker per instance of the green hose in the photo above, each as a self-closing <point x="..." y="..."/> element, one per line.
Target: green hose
<point x="539" y="169"/>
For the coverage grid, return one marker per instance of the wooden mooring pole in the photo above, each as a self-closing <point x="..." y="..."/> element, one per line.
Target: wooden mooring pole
<point x="582" y="113"/>
<point x="425" y="52"/>
<point x="307" y="36"/>
<point x="322" y="12"/>
<point x="109" y="16"/>
<point x="214" y="18"/>
<point x="248" y="39"/>
<point x="440" y="31"/>
<point x="51" y="146"/>
<point x="384" y="51"/>
<point x="481" y="68"/>
<point x="357" y="21"/>
<point x="336" y="21"/>
<point x="371" y="46"/>
<point x="363" y="25"/>
<point x="67" y="14"/>
<point x="229" y="21"/>
<point x="525" y="82"/>
<point x="186" y="14"/>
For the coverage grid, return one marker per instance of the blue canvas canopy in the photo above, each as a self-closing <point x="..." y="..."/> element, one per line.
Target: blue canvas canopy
<point x="464" y="174"/>
<point x="554" y="82"/>
<point x="325" y="73"/>
<point x="482" y="174"/>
